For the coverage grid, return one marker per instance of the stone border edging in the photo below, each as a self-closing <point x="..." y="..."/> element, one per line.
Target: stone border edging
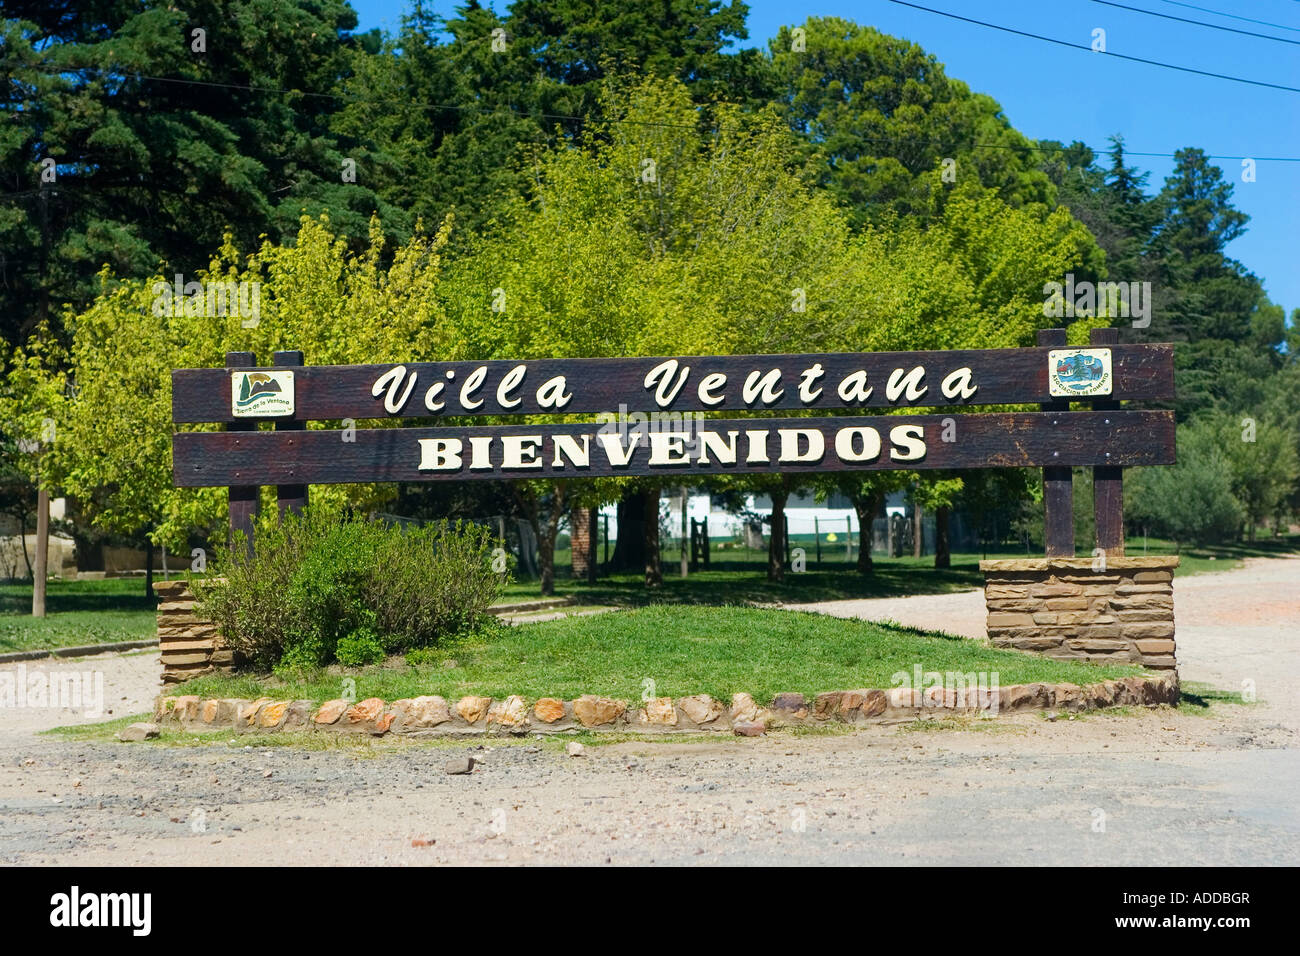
<point x="474" y="715"/>
<point x="82" y="650"/>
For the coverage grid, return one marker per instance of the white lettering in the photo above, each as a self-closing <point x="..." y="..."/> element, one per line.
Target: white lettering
<point x="767" y="384"/>
<point x="508" y="384"/>
<point x="660" y="378"/>
<point x="790" y="438"/>
<point x="869" y="437"/>
<point x="440" y="454"/>
<point x="566" y="446"/>
<point x="854" y="389"/>
<point x="520" y="451"/>
<point x="708" y="386"/>
<point x="911" y="438"/>
<point x="472" y="384"/>
<point x="911" y="381"/>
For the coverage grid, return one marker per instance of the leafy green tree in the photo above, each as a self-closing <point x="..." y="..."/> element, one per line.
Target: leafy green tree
<point x="1191" y="501"/>
<point x="114" y="447"/>
<point x="867" y="491"/>
<point x="879" y="115"/>
<point x="1262" y="461"/>
<point x="659" y="232"/>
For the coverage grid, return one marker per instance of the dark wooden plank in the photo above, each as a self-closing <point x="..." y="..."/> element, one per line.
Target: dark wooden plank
<point x="1107" y="480"/>
<point x="1058" y="481"/>
<point x="1000" y="377"/>
<point x="990" y="440"/>
<point x="244" y="499"/>
<point x="291" y="498"/>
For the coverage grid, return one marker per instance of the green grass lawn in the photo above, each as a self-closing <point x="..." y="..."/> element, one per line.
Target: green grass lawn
<point x="100" y="612"/>
<point x="738" y="582"/>
<point x="1219" y="557"/>
<point x="683" y="650"/>
<point x="77" y="612"/>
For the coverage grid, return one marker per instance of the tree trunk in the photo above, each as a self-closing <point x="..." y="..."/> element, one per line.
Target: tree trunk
<point x="866" y="508"/>
<point x="918" y="531"/>
<point x="22" y="543"/>
<point x="41" y="571"/>
<point x="942" y="557"/>
<point x="776" y="541"/>
<point x="546" y="541"/>
<point x="654" y="575"/>
<point x="148" y="567"/>
<point x="546" y="560"/>
<point x="629" y="548"/>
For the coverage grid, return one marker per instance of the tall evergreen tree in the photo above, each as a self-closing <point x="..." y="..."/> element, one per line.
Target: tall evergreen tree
<point x="148" y="130"/>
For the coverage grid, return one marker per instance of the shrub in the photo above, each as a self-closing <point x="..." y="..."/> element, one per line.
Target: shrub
<point x="1191" y="500"/>
<point x="362" y="646"/>
<point x="320" y="589"/>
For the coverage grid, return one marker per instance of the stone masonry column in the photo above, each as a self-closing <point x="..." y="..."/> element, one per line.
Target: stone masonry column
<point x="1120" y="610"/>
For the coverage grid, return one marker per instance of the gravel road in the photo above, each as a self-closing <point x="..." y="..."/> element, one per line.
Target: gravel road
<point x="1167" y="787"/>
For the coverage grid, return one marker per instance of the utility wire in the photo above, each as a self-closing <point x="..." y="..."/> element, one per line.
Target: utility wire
<point x="1199" y="23"/>
<point x="1233" y="16"/>
<point x="1088" y="49"/>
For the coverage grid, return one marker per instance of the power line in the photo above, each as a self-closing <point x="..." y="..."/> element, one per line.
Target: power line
<point x="1233" y="16"/>
<point x="1087" y="49"/>
<point x="1199" y="23"/>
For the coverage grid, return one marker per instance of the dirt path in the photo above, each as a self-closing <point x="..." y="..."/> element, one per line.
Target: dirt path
<point x="1152" y="787"/>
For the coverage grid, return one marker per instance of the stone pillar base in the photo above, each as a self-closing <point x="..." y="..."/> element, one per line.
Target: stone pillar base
<point x="1076" y="608"/>
<point x="190" y="645"/>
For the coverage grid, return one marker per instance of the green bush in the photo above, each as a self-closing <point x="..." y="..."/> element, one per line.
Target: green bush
<point x="362" y="646"/>
<point x="319" y="590"/>
<point x="1192" y="500"/>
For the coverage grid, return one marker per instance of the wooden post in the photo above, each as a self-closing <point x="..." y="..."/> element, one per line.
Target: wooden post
<point x="290" y="497"/>
<point x="817" y="535"/>
<point x="244" y="501"/>
<point x="1058" y="482"/>
<point x="705" y="542"/>
<point x="1107" y="480"/>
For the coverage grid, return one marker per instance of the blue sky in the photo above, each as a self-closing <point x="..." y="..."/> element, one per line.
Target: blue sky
<point x="1050" y="92"/>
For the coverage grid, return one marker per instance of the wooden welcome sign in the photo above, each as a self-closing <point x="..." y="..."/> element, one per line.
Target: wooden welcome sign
<point x="677" y="438"/>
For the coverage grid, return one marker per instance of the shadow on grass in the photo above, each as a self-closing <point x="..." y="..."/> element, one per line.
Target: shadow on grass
<point x="62" y="597"/>
<point x="1203" y="696"/>
<point x="738" y="583"/>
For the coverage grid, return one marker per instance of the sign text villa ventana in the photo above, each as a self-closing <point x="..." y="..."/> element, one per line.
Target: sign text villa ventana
<point x="630" y="444"/>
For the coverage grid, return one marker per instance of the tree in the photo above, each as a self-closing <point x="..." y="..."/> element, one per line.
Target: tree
<point x="1191" y="500"/>
<point x="143" y="140"/>
<point x="936" y="491"/>
<point x="114" y="447"/>
<point x="1261" y="457"/>
<point x="31" y="395"/>
<point x="660" y="231"/>
<point x="878" y="115"/>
